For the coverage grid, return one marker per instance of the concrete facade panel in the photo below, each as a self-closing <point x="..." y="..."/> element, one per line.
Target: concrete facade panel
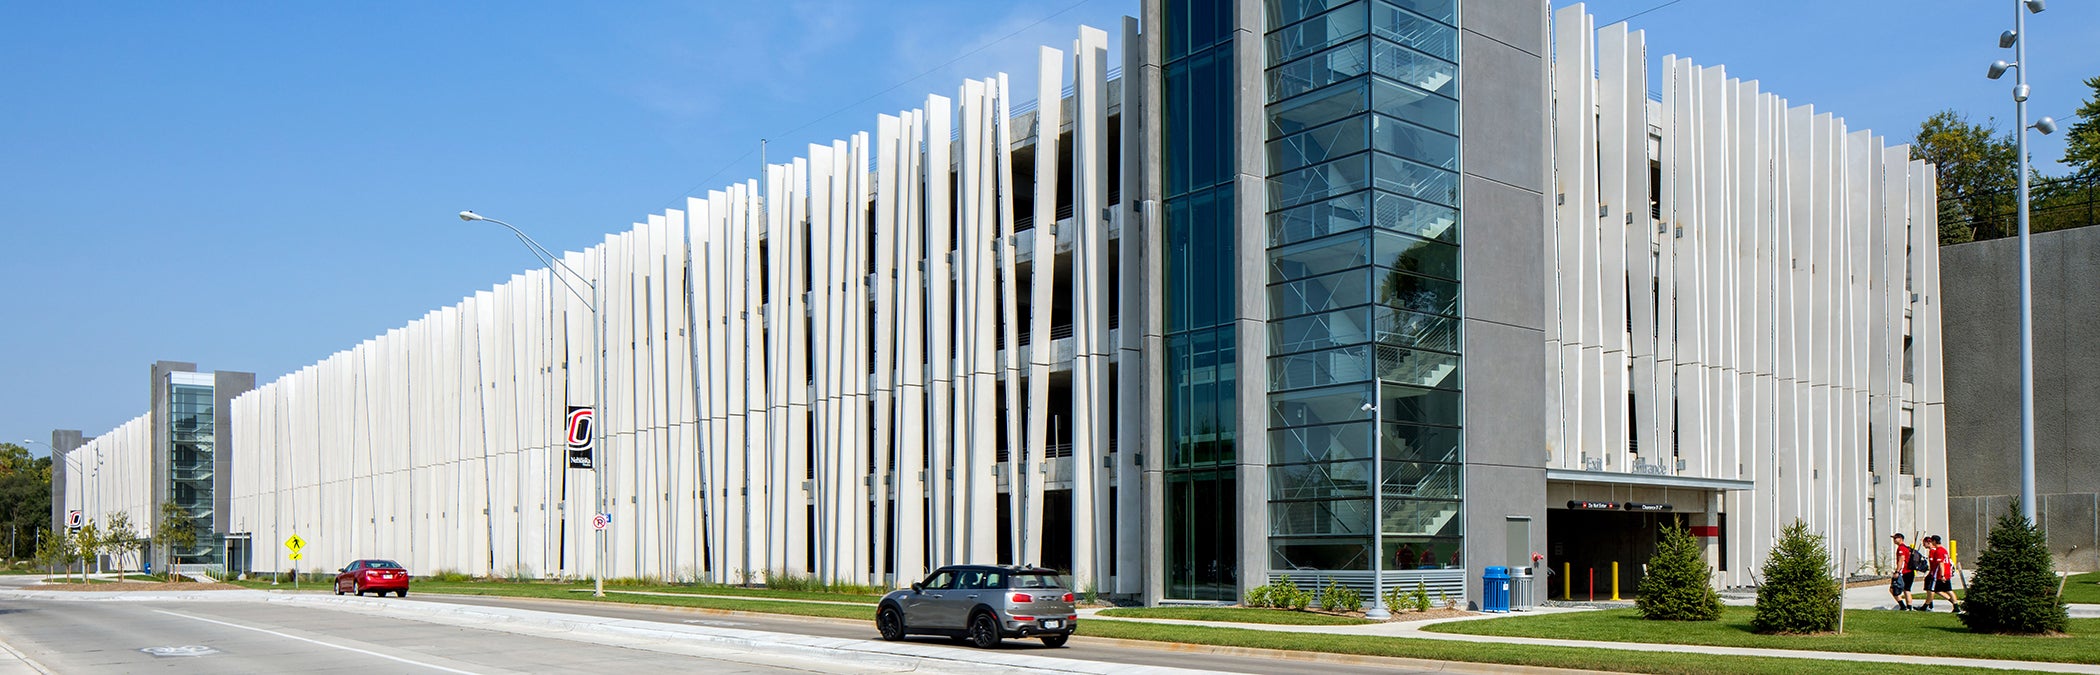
<point x="1503" y="117"/>
<point x="1505" y="421"/>
<point x="1502" y="259"/>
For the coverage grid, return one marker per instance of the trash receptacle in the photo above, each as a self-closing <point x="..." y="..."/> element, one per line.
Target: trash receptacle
<point x="1494" y="592"/>
<point x="1520" y="592"/>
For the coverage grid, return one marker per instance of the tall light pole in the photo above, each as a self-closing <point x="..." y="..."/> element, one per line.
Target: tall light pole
<point x="598" y="450"/>
<point x="2017" y="40"/>
<point x="1376" y="407"/>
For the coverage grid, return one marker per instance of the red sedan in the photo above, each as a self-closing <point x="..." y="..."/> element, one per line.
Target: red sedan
<point x="378" y="576"/>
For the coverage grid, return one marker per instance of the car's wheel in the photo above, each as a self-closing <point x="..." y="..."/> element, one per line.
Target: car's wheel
<point x="984" y="631"/>
<point x="403" y="593"/>
<point x="1055" y="640"/>
<point x="360" y="588"/>
<point x="338" y="589"/>
<point x="891" y="624"/>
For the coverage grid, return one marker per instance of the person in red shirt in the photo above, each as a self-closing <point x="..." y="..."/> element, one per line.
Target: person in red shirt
<point x="1899" y="584"/>
<point x="1939" y="574"/>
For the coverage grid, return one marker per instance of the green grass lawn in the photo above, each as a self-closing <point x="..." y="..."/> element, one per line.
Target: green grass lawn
<point x="1867" y="631"/>
<point x="2083" y="588"/>
<point x="1235" y="614"/>
<point x="1609" y="660"/>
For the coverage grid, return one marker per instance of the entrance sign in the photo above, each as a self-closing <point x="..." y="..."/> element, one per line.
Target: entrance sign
<point x="1638" y="506"/>
<point x="579" y="431"/>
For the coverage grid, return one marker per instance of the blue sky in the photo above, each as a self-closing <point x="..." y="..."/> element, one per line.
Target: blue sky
<point x="253" y="186"/>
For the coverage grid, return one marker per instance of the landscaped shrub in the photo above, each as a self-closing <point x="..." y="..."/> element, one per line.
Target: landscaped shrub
<point x="1279" y="594"/>
<point x="1798" y="595"/>
<point x="1679" y="585"/>
<point x="2014" y="589"/>
<point x="1339" y="598"/>
<point x="1287" y="594"/>
<point x="1257" y="597"/>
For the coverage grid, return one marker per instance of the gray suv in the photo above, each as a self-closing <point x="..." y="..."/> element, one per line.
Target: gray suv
<point x="981" y="604"/>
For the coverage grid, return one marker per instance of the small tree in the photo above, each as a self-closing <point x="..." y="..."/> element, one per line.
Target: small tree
<point x="1798" y="595"/>
<point x="177" y="531"/>
<point x="89" y="542"/>
<point x="2014" y="590"/>
<point x="1679" y="585"/>
<point x="55" y="550"/>
<point x="120" y="540"/>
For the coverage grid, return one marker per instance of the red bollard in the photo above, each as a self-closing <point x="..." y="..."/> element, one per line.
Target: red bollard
<point x="1593" y="584"/>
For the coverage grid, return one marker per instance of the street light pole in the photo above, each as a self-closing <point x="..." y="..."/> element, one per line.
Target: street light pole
<point x="598" y="450"/>
<point x="2017" y="39"/>
<point x="1377" y="409"/>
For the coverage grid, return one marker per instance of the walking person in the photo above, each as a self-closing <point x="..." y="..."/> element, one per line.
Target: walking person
<point x="1906" y="573"/>
<point x="1939" y="575"/>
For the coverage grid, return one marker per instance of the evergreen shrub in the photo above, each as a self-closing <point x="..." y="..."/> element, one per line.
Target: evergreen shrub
<point x="1679" y="585"/>
<point x="1798" y="595"/>
<point x="2014" y="590"/>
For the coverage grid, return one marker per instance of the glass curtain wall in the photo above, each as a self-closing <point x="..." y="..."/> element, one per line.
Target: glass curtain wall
<point x="1363" y="284"/>
<point x="190" y="469"/>
<point x="1202" y="412"/>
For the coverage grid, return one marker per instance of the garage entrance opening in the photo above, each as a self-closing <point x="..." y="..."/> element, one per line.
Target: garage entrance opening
<point x="1591" y="539"/>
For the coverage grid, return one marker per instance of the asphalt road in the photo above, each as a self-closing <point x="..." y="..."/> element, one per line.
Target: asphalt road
<point x="260" y="637"/>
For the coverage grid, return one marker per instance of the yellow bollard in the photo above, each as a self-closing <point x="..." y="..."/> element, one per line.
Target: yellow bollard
<point x="1567" y="581"/>
<point x="1615" y="581"/>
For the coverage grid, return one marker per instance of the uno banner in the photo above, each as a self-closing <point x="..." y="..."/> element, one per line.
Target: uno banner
<point x="580" y="436"/>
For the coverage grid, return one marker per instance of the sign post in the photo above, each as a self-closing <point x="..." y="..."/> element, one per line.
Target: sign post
<point x="294" y="543"/>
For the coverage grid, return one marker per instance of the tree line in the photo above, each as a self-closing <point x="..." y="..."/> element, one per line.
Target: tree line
<point x="1979" y="175"/>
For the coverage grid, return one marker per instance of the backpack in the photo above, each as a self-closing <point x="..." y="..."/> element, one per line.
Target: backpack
<point x="1918" y="563"/>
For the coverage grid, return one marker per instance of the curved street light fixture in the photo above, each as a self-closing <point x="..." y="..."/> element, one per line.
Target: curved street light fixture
<point x="598" y="386"/>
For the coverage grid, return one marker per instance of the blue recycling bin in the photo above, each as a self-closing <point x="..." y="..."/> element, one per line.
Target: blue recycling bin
<point x="1494" y="592"/>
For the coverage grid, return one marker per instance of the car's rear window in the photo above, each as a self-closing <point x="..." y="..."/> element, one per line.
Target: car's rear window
<point x="383" y="565"/>
<point x="1029" y="580"/>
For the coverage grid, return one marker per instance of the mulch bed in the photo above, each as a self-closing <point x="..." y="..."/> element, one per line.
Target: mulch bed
<point x="1438" y="613"/>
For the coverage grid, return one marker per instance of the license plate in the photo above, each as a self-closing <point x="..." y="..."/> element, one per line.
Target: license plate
<point x="1054" y="623"/>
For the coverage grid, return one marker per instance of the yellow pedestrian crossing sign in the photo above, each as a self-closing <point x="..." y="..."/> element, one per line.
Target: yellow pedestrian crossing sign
<point x="295" y="543"/>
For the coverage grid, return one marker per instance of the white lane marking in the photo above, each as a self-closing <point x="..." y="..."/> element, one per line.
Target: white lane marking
<point x="346" y="648"/>
<point x="186" y="650"/>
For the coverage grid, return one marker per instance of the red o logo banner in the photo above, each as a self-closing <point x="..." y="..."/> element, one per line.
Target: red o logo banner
<point x="580" y="433"/>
